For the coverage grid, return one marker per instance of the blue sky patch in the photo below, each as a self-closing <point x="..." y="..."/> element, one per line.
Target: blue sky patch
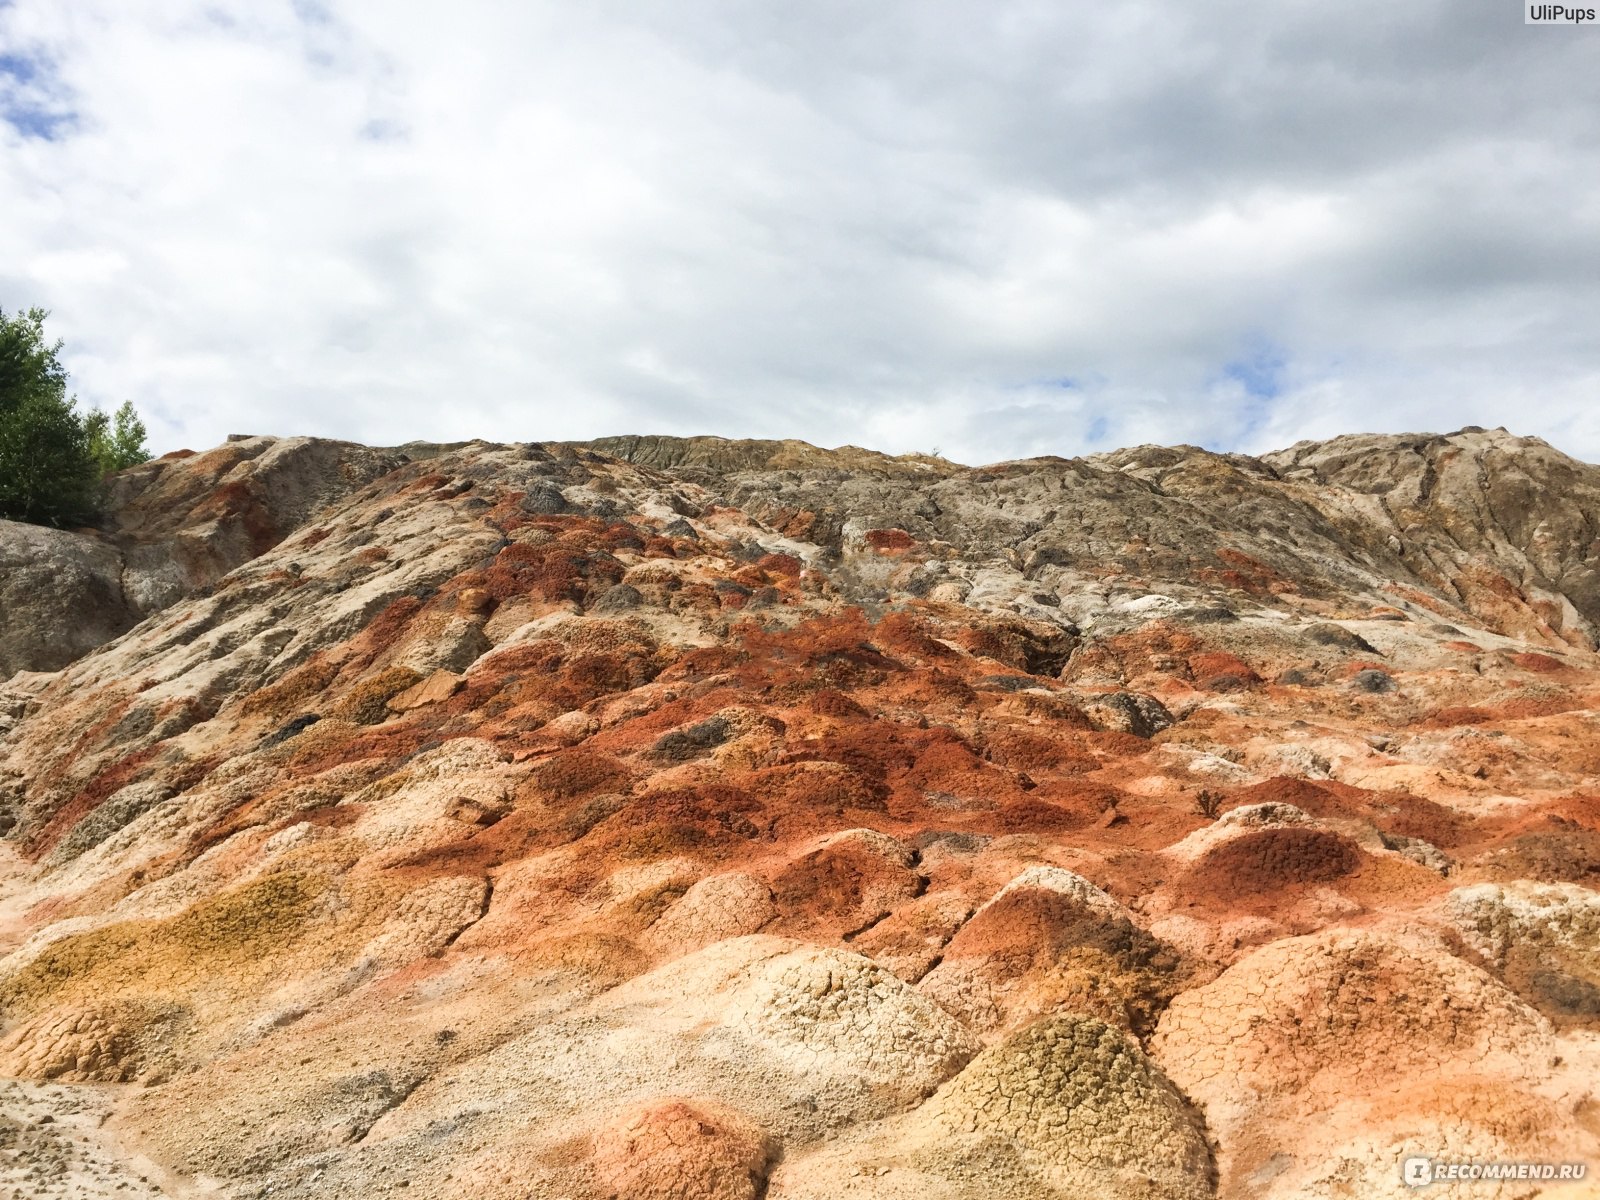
<point x="34" y="122"/>
<point x="18" y="67"/>
<point x="1260" y="372"/>
<point x="26" y="87"/>
<point x="380" y="129"/>
<point x="312" y="12"/>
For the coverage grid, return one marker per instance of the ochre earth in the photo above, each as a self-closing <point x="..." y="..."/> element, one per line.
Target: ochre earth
<point x="754" y="820"/>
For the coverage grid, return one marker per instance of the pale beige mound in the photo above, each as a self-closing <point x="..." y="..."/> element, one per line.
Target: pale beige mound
<point x="815" y="1011"/>
<point x="1325" y="1059"/>
<point x="802" y="1041"/>
<point x="1236" y="821"/>
<point x="1318" y="1016"/>
<point x="1357" y="1152"/>
<point x="425" y="802"/>
<point x="714" y="908"/>
<point x="1069" y="1107"/>
<point x="426" y="920"/>
<point x="1051" y="941"/>
<point x="1543" y="939"/>
<point x="677" y="1147"/>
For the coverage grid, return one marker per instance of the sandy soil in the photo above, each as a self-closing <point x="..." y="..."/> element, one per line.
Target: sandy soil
<point x="52" y="1145"/>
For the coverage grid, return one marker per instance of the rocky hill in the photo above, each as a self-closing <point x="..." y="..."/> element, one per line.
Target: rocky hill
<point x="682" y="817"/>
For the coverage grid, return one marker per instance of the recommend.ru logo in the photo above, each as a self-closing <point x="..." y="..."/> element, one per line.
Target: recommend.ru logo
<point x="1419" y="1171"/>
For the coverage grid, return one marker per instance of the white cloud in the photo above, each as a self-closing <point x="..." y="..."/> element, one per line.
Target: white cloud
<point x="900" y="225"/>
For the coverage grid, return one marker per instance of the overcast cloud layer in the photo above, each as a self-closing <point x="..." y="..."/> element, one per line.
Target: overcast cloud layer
<point x="998" y="229"/>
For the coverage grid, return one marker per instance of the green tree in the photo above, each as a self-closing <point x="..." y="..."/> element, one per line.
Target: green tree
<point x="117" y="442"/>
<point x="52" y="460"/>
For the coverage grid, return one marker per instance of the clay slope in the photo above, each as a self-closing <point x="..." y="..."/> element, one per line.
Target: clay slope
<point x="754" y="820"/>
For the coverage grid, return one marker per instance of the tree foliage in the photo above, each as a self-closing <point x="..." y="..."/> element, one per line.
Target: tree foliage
<point x="117" y="442"/>
<point x="53" y="460"/>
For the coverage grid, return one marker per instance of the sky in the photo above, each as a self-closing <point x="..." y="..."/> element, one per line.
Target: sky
<point x="989" y="230"/>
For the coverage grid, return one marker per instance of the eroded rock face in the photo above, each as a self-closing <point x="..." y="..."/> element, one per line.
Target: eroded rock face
<point x="60" y="597"/>
<point x="172" y="528"/>
<point x="1470" y="511"/>
<point x="751" y="819"/>
<point x="1500" y="525"/>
